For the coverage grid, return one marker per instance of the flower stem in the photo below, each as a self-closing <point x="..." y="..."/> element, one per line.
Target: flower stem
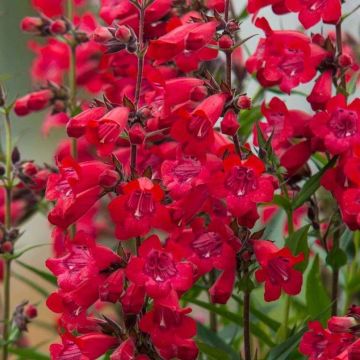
<point x="335" y="277"/>
<point x="246" y="319"/>
<point x="228" y="53"/>
<point x="7" y="224"/>
<point x="340" y="51"/>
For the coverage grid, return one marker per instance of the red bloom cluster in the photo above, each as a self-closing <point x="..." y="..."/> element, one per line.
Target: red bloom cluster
<point x="157" y="163"/>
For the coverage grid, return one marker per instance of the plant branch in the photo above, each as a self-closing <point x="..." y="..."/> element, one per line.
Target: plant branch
<point x="246" y="319"/>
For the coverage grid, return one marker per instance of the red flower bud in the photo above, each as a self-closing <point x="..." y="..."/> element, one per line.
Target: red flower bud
<point x="229" y="124"/>
<point x="226" y="42"/>
<point x="7" y="247"/>
<point x="31" y="24"/>
<point x="58" y="27"/>
<point x="21" y="107"/>
<point x="318" y="39"/>
<point x="29" y="169"/>
<point x="40" y="99"/>
<point x="101" y="34"/>
<point x="30" y="311"/>
<point x="198" y="93"/>
<point x="321" y="92"/>
<point x="345" y="60"/>
<point x="341" y="323"/>
<point x="109" y="178"/>
<point x="137" y="134"/>
<point x="243" y="102"/>
<point x="123" y="34"/>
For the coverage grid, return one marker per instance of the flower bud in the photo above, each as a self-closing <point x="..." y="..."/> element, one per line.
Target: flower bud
<point x="31" y="24"/>
<point x="226" y="42"/>
<point x="101" y="34"/>
<point x="345" y="60"/>
<point x="112" y="287"/>
<point x="29" y="169"/>
<point x="198" y="93"/>
<point x="341" y="323"/>
<point x="21" y="107"/>
<point x="40" y="99"/>
<point x="229" y="124"/>
<point x="58" y="27"/>
<point x="7" y="247"/>
<point x="137" y="134"/>
<point x="318" y="39"/>
<point x="321" y="92"/>
<point x="123" y="34"/>
<point x="243" y="102"/>
<point x="15" y="155"/>
<point x="109" y="178"/>
<point x="30" y="311"/>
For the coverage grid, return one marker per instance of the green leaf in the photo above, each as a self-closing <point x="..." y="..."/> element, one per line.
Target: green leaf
<point x="298" y="243"/>
<point x="31" y="284"/>
<point x="317" y="299"/>
<point x="336" y="258"/>
<point x="43" y="274"/>
<point x="310" y="187"/>
<point x="274" y="226"/>
<point x="28" y="354"/>
<point x="282" y="202"/>
<point x="232" y="317"/>
<point x="212" y="352"/>
<point x="16" y="255"/>
<point x="211" y="338"/>
<point x="247" y="118"/>
<point x="283" y="351"/>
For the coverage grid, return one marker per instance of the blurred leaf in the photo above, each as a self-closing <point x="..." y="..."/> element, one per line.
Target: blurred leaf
<point x="234" y="318"/>
<point x="247" y="118"/>
<point x="317" y="299"/>
<point x="211" y="338"/>
<point x="31" y="284"/>
<point x="28" y="354"/>
<point x="272" y="226"/>
<point x="311" y="185"/>
<point x="43" y="274"/>
<point x="283" y="351"/>
<point x="282" y="202"/>
<point x="212" y="352"/>
<point x="260" y="315"/>
<point x="336" y="258"/>
<point x="297" y="242"/>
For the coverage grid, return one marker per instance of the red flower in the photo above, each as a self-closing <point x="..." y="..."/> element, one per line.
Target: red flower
<point x="127" y="351"/>
<point x="171" y="331"/>
<point x="321" y="92"/>
<point x="339" y="126"/>
<point x="139" y="209"/>
<point x="313" y="11"/>
<point x="277" y="269"/>
<point x="246" y="187"/>
<point x="278" y="6"/>
<point x="75" y="189"/>
<point x="195" y="130"/>
<point x="159" y="269"/>
<point x="320" y="344"/>
<point x="285" y="58"/>
<point x="85" y="274"/>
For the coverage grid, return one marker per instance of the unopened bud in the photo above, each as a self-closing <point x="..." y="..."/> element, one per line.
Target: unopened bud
<point x="30" y="311"/>
<point x="318" y="39"/>
<point x="40" y="99"/>
<point x="339" y="324"/>
<point x="59" y="27"/>
<point x="15" y="155"/>
<point x="29" y="169"/>
<point x="123" y="34"/>
<point x="31" y="24"/>
<point x="229" y="124"/>
<point x="137" y="134"/>
<point x="21" y="107"/>
<point x="243" y="102"/>
<point x="109" y="178"/>
<point x="7" y="247"/>
<point x="101" y="34"/>
<point x="226" y="42"/>
<point x="345" y="60"/>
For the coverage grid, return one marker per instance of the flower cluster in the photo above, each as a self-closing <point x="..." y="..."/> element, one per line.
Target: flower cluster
<point x="167" y="161"/>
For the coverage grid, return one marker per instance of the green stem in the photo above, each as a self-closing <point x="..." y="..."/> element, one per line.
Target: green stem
<point x="335" y="277"/>
<point x="7" y="224"/>
<point x="246" y="318"/>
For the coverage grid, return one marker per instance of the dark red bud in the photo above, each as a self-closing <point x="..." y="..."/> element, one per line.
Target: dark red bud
<point x="101" y="34"/>
<point x="40" y="99"/>
<point x="7" y="247"/>
<point x="58" y="27"/>
<point x="345" y="60"/>
<point x="123" y="34"/>
<point x="30" y="311"/>
<point x="137" y="134"/>
<point x="226" y="42"/>
<point x="243" y="102"/>
<point x="21" y="107"/>
<point x="29" y="169"/>
<point x="229" y="124"/>
<point x="31" y="24"/>
<point x="109" y="178"/>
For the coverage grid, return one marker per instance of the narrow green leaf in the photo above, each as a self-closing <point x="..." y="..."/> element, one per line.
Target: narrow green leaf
<point x="213" y="353"/>
<point x="282" y="202"/>
<point x="247" y="119"/>
<point x="283" y="351"/>
<point x="31" y="284"/>
<point x="28" y="354"/>
<point x="211" y="338"/>
<point x="234" y="318"/>
<point x="317" y="299"/>
<point x="23" y="251"/>
<point x="310" y="187"/>
<point x="336" y="258"/>
<point x="298" y="243"/>
<point x="43" y="274"/>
